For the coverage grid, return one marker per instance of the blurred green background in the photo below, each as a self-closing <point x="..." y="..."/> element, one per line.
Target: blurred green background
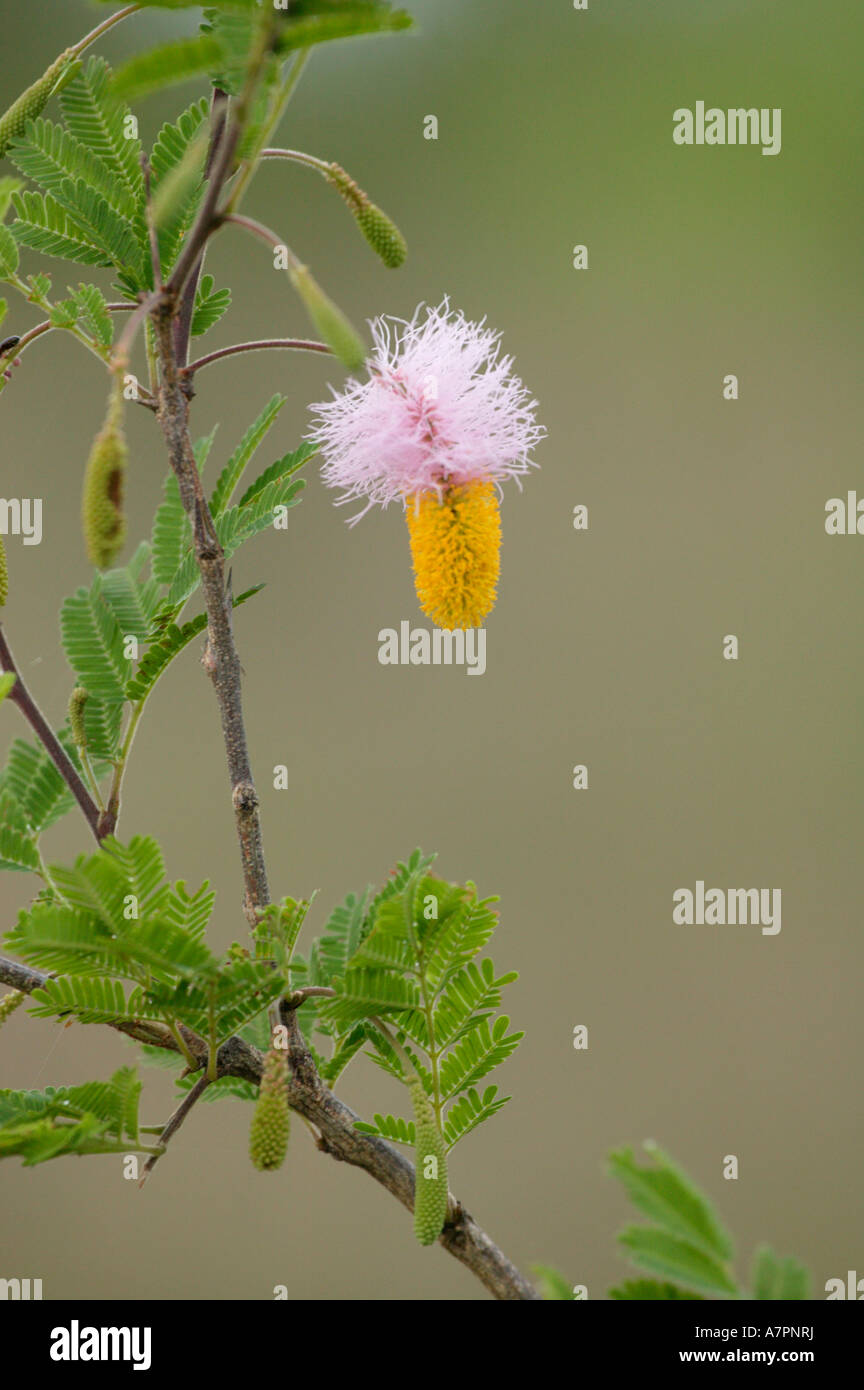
<point x="706" y="518"/>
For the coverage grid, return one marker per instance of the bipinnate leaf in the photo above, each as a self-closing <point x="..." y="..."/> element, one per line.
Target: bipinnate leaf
<point x="672" y="1258"/>
<point x="776" y="1278"/>
<point x="643" y="1290"/>
<point x="665" y="1194"/>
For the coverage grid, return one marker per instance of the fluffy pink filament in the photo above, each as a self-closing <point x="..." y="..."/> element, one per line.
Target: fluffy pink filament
<point x="440" y="407"/>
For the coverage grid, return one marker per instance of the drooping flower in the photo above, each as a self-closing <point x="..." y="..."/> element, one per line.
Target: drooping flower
<point x="102" y="513"/>
<point x="440" y="423"/>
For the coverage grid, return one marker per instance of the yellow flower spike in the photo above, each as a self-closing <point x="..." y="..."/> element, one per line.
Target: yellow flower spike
<point x="455" y="546"/>
<point x="440" y="424"/>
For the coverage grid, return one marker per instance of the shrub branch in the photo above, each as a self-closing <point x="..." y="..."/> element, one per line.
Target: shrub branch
<point x="334" y="1124"/>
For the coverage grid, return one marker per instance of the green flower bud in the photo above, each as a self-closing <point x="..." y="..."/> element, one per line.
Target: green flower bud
<point x="382" y="235"/>
<point x="32" y="103"/>
<point x="102" y="503"/>
<point x="330" y="322"/>
<point x="4" y="575"/>
<point x="77" y="701"/>
<point x="271" y="1122"/>
<point x="9" y="1003"/>
<point x="430" y="1177"/>
<point x="379" y="230"/>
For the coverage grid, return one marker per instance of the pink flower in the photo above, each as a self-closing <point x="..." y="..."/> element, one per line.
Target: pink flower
<point x="441" y="408"/>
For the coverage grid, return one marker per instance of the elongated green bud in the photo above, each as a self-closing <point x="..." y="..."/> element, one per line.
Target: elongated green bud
<point x="9" y="1003"/>
<point x="77" y="701"/>
<point x="379" y="230"/>
<point x="330" y="322"/>
<point x="31" y="103"/>
<point x="430" y="1177"/>
<point x="271" y="1122"/>
<point x="102" y="502"/>
<point x="4" y="575"/>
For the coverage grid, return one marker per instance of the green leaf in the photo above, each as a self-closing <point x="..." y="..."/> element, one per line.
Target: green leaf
<point x="210" y="305"/>
<point x="8" y="186"/>
<point x="348" y="21"/>
<point x="672" y="1258"/>
<point x="226" y="1088"/>
<point x="553" y="1286"/>
<point x="665" y="1194"/>
<point x="771" y="1277"/>
<point x="41" y="1140"/>
<point x="93" y="643"/>
<point x="476" y="1054"/>
<point x="167" y="65"/>
<point x="471" y="1110"/>
<point x="177" y="167"/>
<point x="463" y="927"/>
<point x="342" y="935"/>
<point x="93" y="114"/>
<point x="103" y="721"/>
<point x="161" y="948"/>
<point x="171" y="642"/>
<point x="239" y="524"/>
<point x="98" y="1117"/>
<point x="470" y="994"/>
<point x="277" y="930"/>
<point x="93" y="309"/>
<point x="64" y="314"/>
<point x="234" y="527"/>
<point x="101" y="884"/>
<point x="398" y="1131"/>
<point x="375" y="954"/>
<point x="794" y="1281"/>
<point x="380" y="948"/>
<point x="132" y="603"/>
<point x="100" y="224"/>
<point x="8" y="253"/>
<point x="35" y="784"/>
<point x="236" y="465"/>
<point x="241" y="5"/>
<point x="43" y="225"/>
<point x="142" y="865"/>
<point x="346" y="1048"/>
<point x="18" y="850"/>
<point x="172" y="533"/>
<point x="55" y="937"/>
<point x="189" y="911"/>
<point x="364" y="991"/>
<point x="51" y="157"/>
<point x="7" y="680"/>
<point x="384" y="1055"/>
<point x="91" y="1000"/>
<point x="648" y="1289"/>
<point x="40" y="288"/>
<point x="111" y="920"/>
<point x="277" y="472"/>
<point x="228" y="996"/>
